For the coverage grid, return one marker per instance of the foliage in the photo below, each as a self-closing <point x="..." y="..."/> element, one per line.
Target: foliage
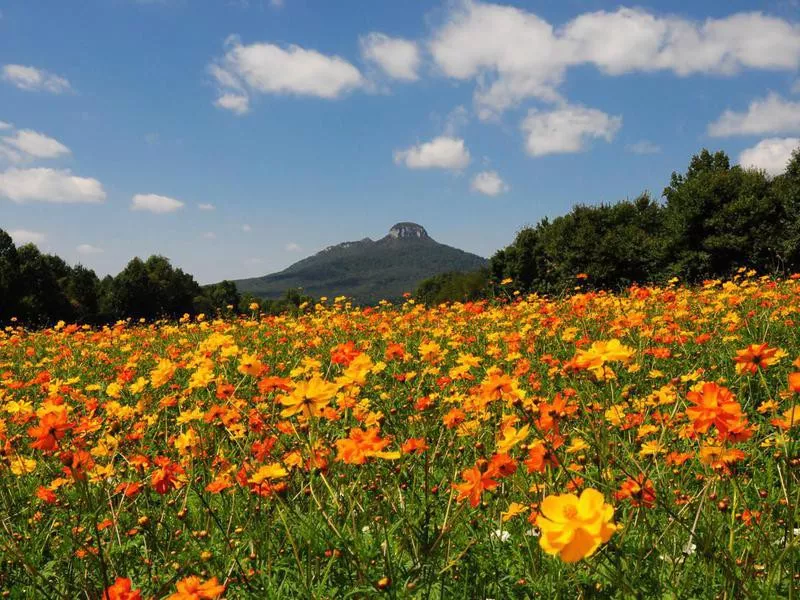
<point x="454" y="286"/>
<point x="39" y="289"/>
<point x="715" y="219"/>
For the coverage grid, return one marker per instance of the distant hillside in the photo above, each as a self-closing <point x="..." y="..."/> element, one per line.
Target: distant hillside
<point x="367" y="270"/>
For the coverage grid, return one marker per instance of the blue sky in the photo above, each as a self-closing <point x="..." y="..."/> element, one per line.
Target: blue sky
<point x="236" y="137"/>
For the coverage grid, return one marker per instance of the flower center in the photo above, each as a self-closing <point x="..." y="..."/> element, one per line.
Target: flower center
<point x="570" y="512"/>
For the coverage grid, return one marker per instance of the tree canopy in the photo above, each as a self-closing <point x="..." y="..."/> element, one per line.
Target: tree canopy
<point x="712" y="220"/>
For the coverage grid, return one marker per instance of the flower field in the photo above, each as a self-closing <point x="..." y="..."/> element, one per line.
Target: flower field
<point x="643" y="445"/>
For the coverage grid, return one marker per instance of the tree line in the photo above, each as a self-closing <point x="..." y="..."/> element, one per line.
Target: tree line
<point x="40" y="289"/>
<point x="711" y="220"/>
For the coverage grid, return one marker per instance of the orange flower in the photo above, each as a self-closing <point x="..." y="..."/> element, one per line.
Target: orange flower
<point x="501" y="465"/>
<point x="755" y="357"/>
<point x="77" y="463"/>
<point x="794" y="382"/>
<point x="474" y="484"/>
<point x="164" y="478"/>
<point x="269" y="384"/>
<point x="361" y="445"/>
<point x="454" y="417"/>
<point x="414" y="445"/>
<point x="343" y="354"/>
<point x="394" y="351"/>
<point x="539" y="458"/>
<point x="51" y="428"/>
<point x="719" y="458"/>
<point x="789" y="419"/>
<point x="715" y="405"/>
<point x="639" y="491"/>
<point x="220" y="483"/>
<point x="46" y="495"/>
<point x="121" y="590"/>
<point x="194" y="588"/>
<point x="498" y="386"/>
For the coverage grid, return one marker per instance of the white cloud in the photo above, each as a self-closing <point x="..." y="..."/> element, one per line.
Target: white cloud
<point x="36" y="144"/>
<point x="49" y="185"/>
<point x="442" y="152"/>
<point x="489" y="183"/>
<point x="24" y="236"/>
<point x="398" y="58"/>
<point x="643" y="147"/>
<point x="796" y="87"/>
<point x="771" y="155"/>
<point x="771" y="115"/>
<point x="4" y="125"/>
<point x="266" y="68"/>
<point x="205" y="206"/>
<point x="236" y="103"/>
<point x="247" y="228"/>
<point x="292" y="247"/>
<point x="33" y="80"/>
<point x="87" y="249"/>
<point x="210" y="235"/>
<point x="10" y="155"/>
<point x="155" y="204"/>
<point x="514" y="54"/>
<point x="567" y="129"/>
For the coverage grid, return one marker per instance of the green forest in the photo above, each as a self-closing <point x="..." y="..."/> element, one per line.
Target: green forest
<point x="709" y="221"/>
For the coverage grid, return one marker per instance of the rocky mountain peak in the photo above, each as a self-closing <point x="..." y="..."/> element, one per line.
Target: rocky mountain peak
<point x="406" y="230"/>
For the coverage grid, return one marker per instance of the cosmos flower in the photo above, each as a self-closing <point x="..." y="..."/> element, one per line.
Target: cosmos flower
<point x="573" y="527"/>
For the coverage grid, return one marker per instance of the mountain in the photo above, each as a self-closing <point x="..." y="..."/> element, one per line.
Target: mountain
<point x="367" y="270"/>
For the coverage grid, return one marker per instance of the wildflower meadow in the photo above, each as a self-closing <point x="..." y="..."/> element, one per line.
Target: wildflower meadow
<point x="634" y="445"/>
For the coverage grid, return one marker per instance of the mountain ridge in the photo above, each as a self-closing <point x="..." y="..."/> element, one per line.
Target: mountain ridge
<point x="367" y="270"/>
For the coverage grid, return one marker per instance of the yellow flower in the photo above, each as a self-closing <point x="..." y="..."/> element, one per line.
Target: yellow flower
<point x="249" y="365"/>
<point x="201" y="378"/>
<point x="356" y="372"/>
<point x="271" y="471"/>
<point x="137" y="386"/>
<point x="575" y="527"/>
<point x="308" y="397"/>
<point x="186" y="441"/>
<point x="577" y="445"/>
<point x="113" y="390"/>
<point x="162" y="373"/>
<point x="514" y="509"/>
<point x="601" y="352"/>
<point x="651" y="448"/>
<point x="22" y="466"/>
<point x="511" y="437"/>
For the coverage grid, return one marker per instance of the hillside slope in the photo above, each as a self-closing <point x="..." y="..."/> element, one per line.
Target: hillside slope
<point x="367" y="270"/>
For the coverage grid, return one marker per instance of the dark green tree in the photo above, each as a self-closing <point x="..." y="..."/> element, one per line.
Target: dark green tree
<point x="718" y="217"/>
<point x="42" y="287"/>
<point x="221" y="295"/>
<point x="152" y="289"/>
<point x="9" y="277"/>
<point x="453" y="287"/>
